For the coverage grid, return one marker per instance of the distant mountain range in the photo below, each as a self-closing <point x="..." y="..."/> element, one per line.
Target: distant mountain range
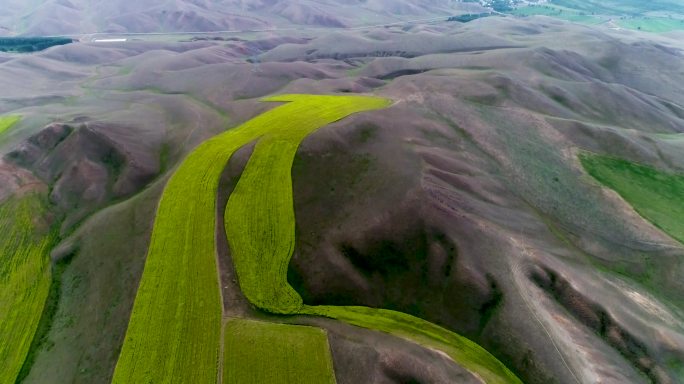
<point x="79" y="17"/>
<point x="56" y="17"/>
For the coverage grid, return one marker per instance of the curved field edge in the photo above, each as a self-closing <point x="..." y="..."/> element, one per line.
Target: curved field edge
<point x="25" y="277"/>
<point x="175" y="325"/>
<point x="260" y="227"/>
<point x="656" y="195"/>
<point x="260" y="352"/>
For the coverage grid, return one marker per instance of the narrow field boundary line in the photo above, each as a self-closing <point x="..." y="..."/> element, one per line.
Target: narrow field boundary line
<point x="222" y="346"/>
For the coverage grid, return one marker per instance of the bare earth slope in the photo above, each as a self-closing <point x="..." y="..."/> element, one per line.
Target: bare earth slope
<point x="464" y="203"/>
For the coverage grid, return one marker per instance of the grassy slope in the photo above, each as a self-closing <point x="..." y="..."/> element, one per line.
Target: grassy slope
<point x="173" y="334"/>
<point x="260" y="227"/>
<point x="259" y="352"/>
<point x="174" y="330"/>
<point x="24" y="280"/>
<point x="6" y="122"/>
<point x="656" y="195"/>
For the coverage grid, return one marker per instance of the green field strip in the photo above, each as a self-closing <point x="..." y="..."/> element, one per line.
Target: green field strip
<point x="260" y="227"/>
<point x="656" y="195"/>
<point x="652" y="24"/>
<point x="259" y="352"/>
<point x="174" y="330"/>
<point x="7" y="122"/>
<point x="25" y="277"/>
<point x="463" y="351"/>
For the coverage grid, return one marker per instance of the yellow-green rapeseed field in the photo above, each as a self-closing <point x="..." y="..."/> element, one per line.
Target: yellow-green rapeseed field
<point x="260" y="352"/>
<point x="6" y="122"/>
<point x="24" y="279"/>
<point x="174" y="330"/>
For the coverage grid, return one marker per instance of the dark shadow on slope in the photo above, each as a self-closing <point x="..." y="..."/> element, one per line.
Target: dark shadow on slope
<point x="402" y="72"/>
<point x="403" y="265"/>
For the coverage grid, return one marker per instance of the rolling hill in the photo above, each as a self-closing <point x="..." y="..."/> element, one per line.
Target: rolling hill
<point x="506" y="205"/>
<point x="58" y="17"/>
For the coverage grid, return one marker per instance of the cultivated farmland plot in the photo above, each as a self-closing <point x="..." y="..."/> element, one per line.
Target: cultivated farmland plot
<point x="260" y="352"/>
<point x="260" y="226"/>
<point x="24" y="280"/>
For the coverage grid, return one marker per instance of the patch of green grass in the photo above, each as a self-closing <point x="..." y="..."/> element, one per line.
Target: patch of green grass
<point x="174" y="330"/>
<point x="464" y="351"/>
<point x="652" y="24"/>
<point x="622" y="7"/>
<point x="259" y="352"/>
<point x="671" y="137"/>
<point x="173" y="334"/>
<point x="24" y="279"/>
<point x="125" y="70"/>
<point x="656" y="195"/>
<point x="569" y="14"/>
<point x="7" y="122"/>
